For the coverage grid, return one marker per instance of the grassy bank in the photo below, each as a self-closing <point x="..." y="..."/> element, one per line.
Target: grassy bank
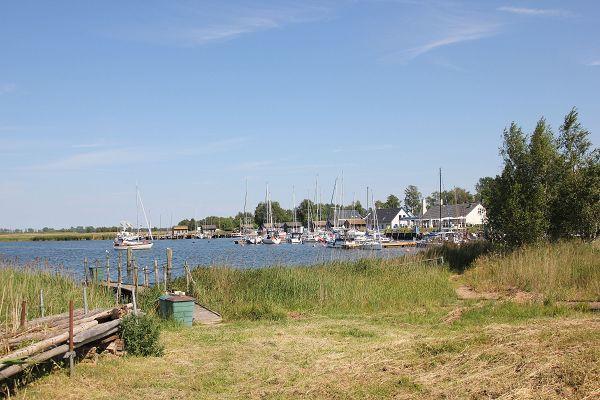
<point x="339" y="288"/>
<point x="562" y="271"/>
<point x="53" y="236"/>
<point x="22" y="283"/>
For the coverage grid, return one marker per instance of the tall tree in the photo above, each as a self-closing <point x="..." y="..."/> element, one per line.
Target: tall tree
<point x="413" y="199"/>
<point x="392" y="202"/>
<point x="483" y="190"/>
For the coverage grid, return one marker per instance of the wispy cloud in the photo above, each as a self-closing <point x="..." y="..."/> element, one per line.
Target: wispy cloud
<point x="595" y="63"/>
<point x="86" y="145"/>
<point x="91" y="160"/>
<point x="198" y="25"/>
<point x="548" y="12"/>
<point x="367" y="149"/>
<point x="463" y="34"/>
<point x="6" y="88"/>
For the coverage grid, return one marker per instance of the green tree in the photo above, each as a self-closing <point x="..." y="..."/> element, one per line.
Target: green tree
<point x="392" y="202"/>
<point x="483" y="190"/>
<point x="413" y="199"/>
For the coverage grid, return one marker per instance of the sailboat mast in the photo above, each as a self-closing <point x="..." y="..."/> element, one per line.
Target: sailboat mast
<point x="440" y="199"/>
<point x="145" y="216"/>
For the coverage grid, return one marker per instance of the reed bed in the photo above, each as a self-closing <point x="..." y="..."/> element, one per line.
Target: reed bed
<point x="55" y="236"/>
<point x="25" y="283"/>
<point x="364" y="286"/>
<point x="559" y="271"/>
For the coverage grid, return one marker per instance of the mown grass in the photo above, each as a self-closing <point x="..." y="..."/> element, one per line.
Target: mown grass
<point x="365" y="286"/>
<point x="24" y="283"/>
<point x="55" y="236"/>
<point x="561" y="271"/>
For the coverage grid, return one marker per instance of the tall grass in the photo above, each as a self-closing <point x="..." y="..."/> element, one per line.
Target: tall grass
<point x="460" y="257"/>
<point x="363" y="286"/>
<point x="560" y="271"/>
<point x="25" y="283"/>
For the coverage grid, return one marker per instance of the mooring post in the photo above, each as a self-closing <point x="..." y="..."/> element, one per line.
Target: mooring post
<point x="23" y="314"/>
<point x="42" y="311"/>
<point x="169" y="263"/>
<point x="119" y="276"/>
<point x="156" y="280"/>
<point x="165" y="276"/>
<point x="146" y="276"/>
<point x="129" y="259"/>
<point x="71" y="345"/>
<point x="135" y="275"/>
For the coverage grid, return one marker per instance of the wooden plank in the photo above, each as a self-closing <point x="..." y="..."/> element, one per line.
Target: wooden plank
<point x="204" y="316"/>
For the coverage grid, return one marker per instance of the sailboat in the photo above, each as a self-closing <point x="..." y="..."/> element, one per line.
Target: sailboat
<point x="128" y="240"/>
<point x="272" y="234"/>
<point x="373" y="242"/>
<point x="295" y="237"/>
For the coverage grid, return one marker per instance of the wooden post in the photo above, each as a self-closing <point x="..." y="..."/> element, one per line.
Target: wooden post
<point x="187" y="277"/>
<point x="23" y="314"/>
<point x="107" y="269"/>
<point x="71" y="346"/>
<point x="85" y="303"/>
<point x="156" y="280"/>
<point x="119" y="276"/>
<point x="129" y="259"/>
<point x="135" y="275"/>
<point x="42" y="311"/>
<point x="85" y="270"/>
<point x="165" y="276"/>
<point x="146" y="276"/>
<point x="169" y="263"/>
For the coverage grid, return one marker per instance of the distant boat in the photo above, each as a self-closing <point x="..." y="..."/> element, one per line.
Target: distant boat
<point x="272" y="236"/>
<point x="128" y="240"/>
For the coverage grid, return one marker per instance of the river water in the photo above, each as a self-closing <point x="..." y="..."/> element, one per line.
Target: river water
<point x="69" y="255"/>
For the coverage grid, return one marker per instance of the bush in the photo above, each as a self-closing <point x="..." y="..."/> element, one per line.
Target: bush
<point x="140" y="334"/>
<point x="460" y="257"/>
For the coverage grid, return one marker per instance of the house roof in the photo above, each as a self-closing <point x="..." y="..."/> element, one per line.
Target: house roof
<point x="275" y="225"/>
<point x="450" y="210"/>
<point x="346" y="214"/>
<point x="386" y="215"/>
<point x="293" y="224"/>
<point x="209" y="227"/>
<point x="180" y="228"/>
<point x="319" y="223"/>
<point x="355" y="221"/>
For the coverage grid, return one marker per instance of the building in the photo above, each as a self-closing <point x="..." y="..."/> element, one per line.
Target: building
<point x="209" y="230"/>
<point x="454" y="216"/>
<point x="267" y="226"/>
<point x="394" y="218"/>
<point x="341" y="216"/>
<point x="356" y="223"/>
<point x="292" y="227"/>
<point x="179" y="231"/>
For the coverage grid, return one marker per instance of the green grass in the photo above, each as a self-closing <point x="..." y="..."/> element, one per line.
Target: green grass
<point x="560" y="271"/>
<point x="22" y="283"/>
<point x="338" y="288"/>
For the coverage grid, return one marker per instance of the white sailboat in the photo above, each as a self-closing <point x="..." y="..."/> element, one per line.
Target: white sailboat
<point x="295" y="237"/>
<point x="373" y="242"/>
<point x="272" y="236"/>
<point x="128" y="240"/>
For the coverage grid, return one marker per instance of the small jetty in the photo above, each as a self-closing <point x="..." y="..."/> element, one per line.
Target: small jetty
<point x="399" y="243"/>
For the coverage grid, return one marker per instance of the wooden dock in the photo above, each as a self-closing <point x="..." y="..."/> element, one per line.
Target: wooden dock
<point x="399" y="244"/>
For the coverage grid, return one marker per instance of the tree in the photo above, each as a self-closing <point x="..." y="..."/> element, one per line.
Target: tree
<point x="392" y="202"/>
<point x="483" y="190"/>
<point x="279" y="214"/>
<point x="413" y="199"/>
<point x="359" y="208"/>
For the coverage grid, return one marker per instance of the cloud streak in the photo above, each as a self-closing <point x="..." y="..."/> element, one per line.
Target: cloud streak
<point x="6" y="88"/>
<point x="595" y="63"/>
<point x="547" y="12"/>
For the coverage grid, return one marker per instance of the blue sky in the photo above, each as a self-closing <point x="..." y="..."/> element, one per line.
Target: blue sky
<point x="190" y="98"/>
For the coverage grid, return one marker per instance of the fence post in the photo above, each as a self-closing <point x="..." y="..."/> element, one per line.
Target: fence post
<point x="107" y="269"/>
<point x="85" y="270"/>
<point x="85" y="303"/>
<point x="169" y="263"/>
<point x="165" y="276"/>
<point x="156" y="280"/>
<point x="135" y="275"/>
<point x="42" y="311"/>
<point x="23" y="314"/>
<point x="119" y="276"/>
<point x="71" y="345"/>
<point x="187" y="276"/>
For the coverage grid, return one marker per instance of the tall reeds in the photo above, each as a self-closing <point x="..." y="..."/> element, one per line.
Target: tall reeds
<point x="25" y="283"/>
<point x="363" y="286"/>
<point x="561" y="271"/>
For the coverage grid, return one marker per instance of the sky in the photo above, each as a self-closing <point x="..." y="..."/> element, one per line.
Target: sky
<point x="189" y="99"/>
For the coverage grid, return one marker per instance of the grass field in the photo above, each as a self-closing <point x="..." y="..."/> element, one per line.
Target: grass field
<point x="53" y="236"/>
<point x="366" y="329"/>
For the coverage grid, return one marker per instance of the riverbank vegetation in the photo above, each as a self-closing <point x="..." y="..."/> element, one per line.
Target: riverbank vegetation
<point x="55" y="236"/>
<point x="23" y="283"/>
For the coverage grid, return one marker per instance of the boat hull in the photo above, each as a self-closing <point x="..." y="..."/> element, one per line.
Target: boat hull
<point x="141" y="246"/>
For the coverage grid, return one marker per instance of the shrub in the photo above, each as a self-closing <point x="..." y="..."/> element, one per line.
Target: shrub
<point x="140" y="334"/>
<point x="460" y="257"/>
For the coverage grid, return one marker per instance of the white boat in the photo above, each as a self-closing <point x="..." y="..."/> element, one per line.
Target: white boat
<point x="272" y="236"/>
<point x="294" y="238"/>
<point x="373" y="241"/>
<point x="271" y="240"/>
<point x="253" y="239"/>
<point x="128" y="240"/>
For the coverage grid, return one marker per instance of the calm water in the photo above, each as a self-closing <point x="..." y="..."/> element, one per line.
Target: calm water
<point x="70" y="254"/>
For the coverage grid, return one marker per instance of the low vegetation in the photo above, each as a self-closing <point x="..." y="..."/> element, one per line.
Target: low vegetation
<point x="26" y="283"/>
<point x="55" y="236"/>
<point x="141" y="335"/>
<point x="562" y="271"/>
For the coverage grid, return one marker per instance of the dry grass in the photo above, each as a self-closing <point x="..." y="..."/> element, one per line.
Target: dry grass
<point x="563" y="271"/>
<point x="51" y="236"/>
<point x="351" y="359"/>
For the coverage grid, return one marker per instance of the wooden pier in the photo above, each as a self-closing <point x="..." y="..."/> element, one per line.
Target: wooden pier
<point x="399" y="244"/>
